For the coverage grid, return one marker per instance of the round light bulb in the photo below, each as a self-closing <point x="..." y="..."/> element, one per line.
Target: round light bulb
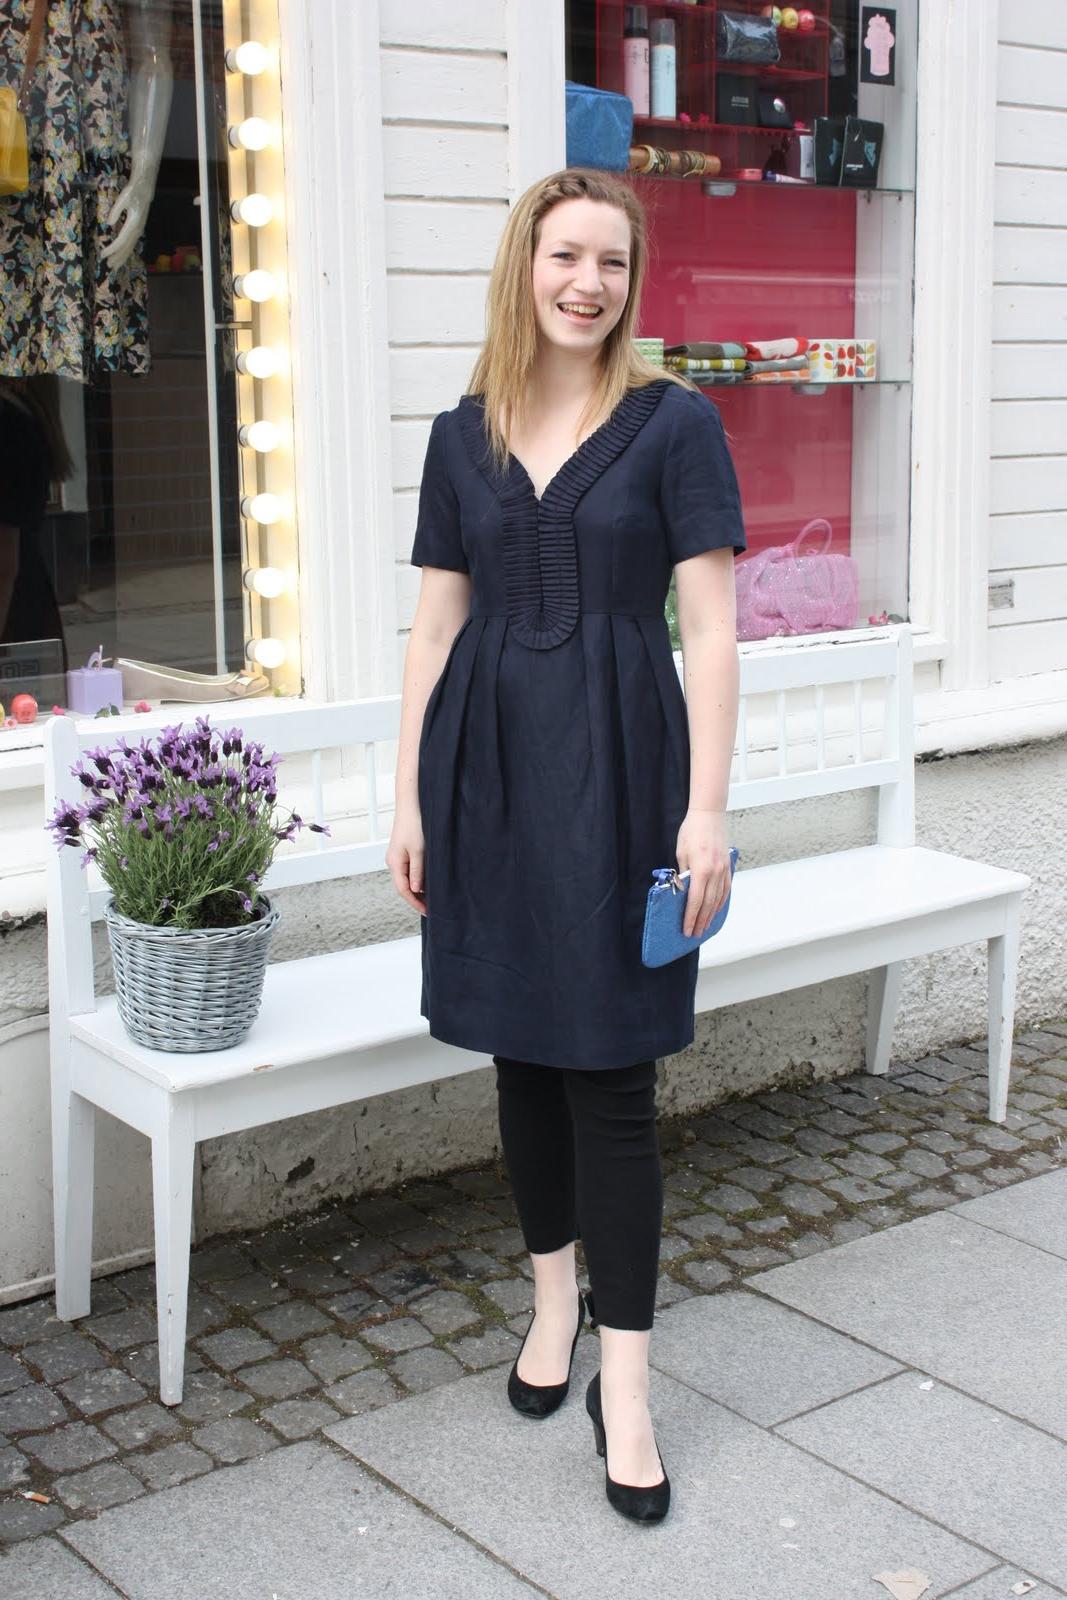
<point x="255" y="210"/>
<point x="259" y="362"/>
<point x="265" y="508"/>
<point x="253" y="133"/>
<point x="251" y="58"/>
<point x="261" y="436"/>
<point x="255" y="285"/>
<point x="266" y="652"/>
<point x="266" y="581"/>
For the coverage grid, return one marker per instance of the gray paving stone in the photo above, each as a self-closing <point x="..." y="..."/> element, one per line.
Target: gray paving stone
<point x="446" y="1311"/>
<point x="331" y="1357"/>
<point x="553" y="1522"/>
<point x="31" y="1321"/>
<point x="356" y="1305"/>
<point x="755" y="1256"/>
<point x="27" y="1519"/>
<point x="219" y="1261"/>
<point x="46" y="1570"/>
<point x="985" y="1475"/>
<point x="13" y="1374"/>
<point x="14" y="1468"/>
<point x="363" y="1391"/>
<point x="253" y="1292"/>
<point x="353" y="1535"/>
<point x="857" y="1190"/>
<point x="709" y="1225"/>
<point x="757" y="1179"/>
<point x="704" y="1158"/>
<point x="930" y="1199"/>
<point x="997" y="1138"/>
<point x="143" y="1363"/>
<point x="277" y="1380"/>
<point x="512" y="1295"/>
<point x="849" y="1228"/>
<point x="234" y="1439"/>
<point x="934" y="1319"/>
<point x="1035" y="1211"/>
<point x="206" y="1395"/>
<point x="863" y="1163"/>
<point x="424" y="1369"/>
<point x="31" y="1407"/>
<point x="807" y="1202"/>
<point x="98" y="1488"/>
<point x="141" y="1425"/>
<point x="670" y="1290"/>
<point x="296" y="1419"/>
<point x="93" y="1392"/>
<point x="812" y="1169"/>
<point x="708" y="1274"/>
<point x="403" y="1333"/>
<point x="967" y="1185"/>
<point x="881" y="1143"/>
<point x="234" y="1347"/>
<point x="121" y="1329"/>
<point x="759" y="1358"/>
<point x="291" y="1319"/>
<point x="923" y="1083"/>
<point x="765" y="1225"/>
<point x="729" y="1198"/>
<point x="900" y="1181"/>
<point x="315" y="1278"/>
<point x="838" y="1123"/>
<point x="63" y="1356"/>
<point x="972" y="1158"/>
<point x="925" y="1162"/>
<point x="175" y="1463"/>
<point x="75" y="1444"/>
<point x="486" y="1349"/>
<point x="816" y="1142"/>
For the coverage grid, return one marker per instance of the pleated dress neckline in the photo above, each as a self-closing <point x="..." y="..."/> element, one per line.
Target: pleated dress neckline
<point x="538" y="539"/>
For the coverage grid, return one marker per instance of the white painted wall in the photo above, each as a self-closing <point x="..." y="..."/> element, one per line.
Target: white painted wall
<point x="1028" y="466"/>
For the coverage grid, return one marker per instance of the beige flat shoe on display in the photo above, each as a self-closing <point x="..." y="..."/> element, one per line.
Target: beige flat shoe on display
<point x="145" y="680"/>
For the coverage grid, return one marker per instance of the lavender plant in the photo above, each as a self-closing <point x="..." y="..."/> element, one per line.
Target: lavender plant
<point x="183" y="826"/>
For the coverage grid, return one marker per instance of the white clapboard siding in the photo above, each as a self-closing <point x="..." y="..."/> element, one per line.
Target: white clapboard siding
<point x="445" y="155"/>
<point x="1028" y="466"/>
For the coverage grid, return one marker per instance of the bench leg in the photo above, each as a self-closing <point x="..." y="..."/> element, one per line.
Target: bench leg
<point x="173" y="1154"/>
<point x="883" y="998"/>
<point x="1003" y="969"/>
<point x="73" y="1139"/>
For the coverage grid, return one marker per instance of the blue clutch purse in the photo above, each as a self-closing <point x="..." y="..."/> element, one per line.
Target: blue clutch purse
<point x="663" y="939"/>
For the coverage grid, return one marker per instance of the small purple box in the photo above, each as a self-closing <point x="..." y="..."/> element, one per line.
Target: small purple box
<point x="94" y="687"/>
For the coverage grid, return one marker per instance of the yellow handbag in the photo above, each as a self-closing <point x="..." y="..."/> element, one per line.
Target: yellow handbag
<point x="14" y="151"/>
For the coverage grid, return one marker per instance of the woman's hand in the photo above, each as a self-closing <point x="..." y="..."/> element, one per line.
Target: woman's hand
<point x="406" y="859"/>
<point x="703" y="848"/>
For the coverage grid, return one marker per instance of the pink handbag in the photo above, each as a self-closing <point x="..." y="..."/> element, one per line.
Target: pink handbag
<point x="782" y="591"/>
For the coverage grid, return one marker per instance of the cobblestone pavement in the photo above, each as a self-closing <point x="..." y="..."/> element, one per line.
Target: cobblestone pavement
<point x="370" y="1300"/>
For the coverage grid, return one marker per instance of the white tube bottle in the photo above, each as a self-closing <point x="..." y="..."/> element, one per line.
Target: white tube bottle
<point x="635" y="58"/>
<point x="664" y="69"/>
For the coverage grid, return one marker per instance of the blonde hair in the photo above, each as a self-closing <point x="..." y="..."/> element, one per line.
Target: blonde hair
<point x="502" y="370"/>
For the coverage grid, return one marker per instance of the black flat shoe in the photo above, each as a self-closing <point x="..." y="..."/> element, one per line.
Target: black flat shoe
<point x="639" y="1504"/>
<point x="541" y="1399"/>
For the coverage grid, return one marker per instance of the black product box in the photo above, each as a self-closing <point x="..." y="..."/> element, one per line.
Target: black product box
<point x="829" y="145"/>
<point x="861" y="153"/>
<point x="736" y="99"/>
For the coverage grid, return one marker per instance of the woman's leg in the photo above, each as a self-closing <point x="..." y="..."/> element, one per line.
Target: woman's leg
<point x="536" y="1135"/>
<point x="619" y="1203"/>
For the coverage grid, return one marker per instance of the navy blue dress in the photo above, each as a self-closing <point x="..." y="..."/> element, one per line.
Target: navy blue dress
<point x="553" y="764"/>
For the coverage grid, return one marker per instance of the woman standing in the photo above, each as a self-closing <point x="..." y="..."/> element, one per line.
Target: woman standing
<point x="549" y="762"/>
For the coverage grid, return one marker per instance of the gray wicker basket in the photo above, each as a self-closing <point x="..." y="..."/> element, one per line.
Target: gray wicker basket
<point x="189" y="989"/>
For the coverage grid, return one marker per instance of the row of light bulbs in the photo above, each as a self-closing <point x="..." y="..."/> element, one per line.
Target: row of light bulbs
<point x="255" y="211"/>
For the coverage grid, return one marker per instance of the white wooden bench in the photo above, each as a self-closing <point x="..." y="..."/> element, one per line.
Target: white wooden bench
<point x="341" y="1027"/>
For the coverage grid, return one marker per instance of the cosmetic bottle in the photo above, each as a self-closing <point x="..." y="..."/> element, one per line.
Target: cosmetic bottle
<point x="664" y="69"/>
<point x="635" y="58"/>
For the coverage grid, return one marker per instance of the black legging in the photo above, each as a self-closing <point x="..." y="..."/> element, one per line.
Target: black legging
<point x="583" y="1158"/>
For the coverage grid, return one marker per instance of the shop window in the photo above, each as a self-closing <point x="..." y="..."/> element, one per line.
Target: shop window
<point x="145" y="420"/>
<point x="774" y="150"/>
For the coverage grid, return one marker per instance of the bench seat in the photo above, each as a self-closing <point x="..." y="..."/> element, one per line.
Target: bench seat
<point x="350" y="1001"/>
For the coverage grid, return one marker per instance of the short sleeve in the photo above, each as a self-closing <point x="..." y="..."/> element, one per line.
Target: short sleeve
<point x="699" y="494"/>
<point x="438" y="541"/>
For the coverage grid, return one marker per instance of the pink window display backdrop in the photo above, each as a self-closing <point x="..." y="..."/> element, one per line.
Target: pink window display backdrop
<point x="758" y="265"/>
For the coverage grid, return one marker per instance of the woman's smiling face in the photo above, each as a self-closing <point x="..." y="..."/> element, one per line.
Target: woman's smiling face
<point x="581" y="272"/>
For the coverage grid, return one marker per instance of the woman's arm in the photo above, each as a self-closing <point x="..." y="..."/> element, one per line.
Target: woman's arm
<point x="707" y="622"/>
